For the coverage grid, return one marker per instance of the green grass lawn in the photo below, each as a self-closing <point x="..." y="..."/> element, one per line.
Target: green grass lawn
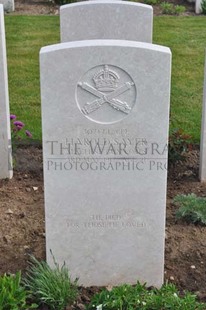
<point x="25" y="36"/>
<point x="186" y="36"/>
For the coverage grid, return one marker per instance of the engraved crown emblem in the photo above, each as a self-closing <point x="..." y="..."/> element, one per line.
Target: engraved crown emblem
<point x="106" y="80"/>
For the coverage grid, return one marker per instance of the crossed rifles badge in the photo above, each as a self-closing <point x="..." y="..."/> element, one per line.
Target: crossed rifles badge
<point x="106" y="90"/>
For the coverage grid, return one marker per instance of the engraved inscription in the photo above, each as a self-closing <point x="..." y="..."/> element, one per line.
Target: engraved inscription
<point x="106" y="221"/>
<point x="106" y="88"/>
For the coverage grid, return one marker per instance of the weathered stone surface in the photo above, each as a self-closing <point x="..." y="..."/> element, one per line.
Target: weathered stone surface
<point x="8" y="5"/>
<point x="202" y="170"/>
<point x="105" y="114"/>
<point x="5" y="134"/>
<point x="121" y="20"/>
<point x="198" y="9"/>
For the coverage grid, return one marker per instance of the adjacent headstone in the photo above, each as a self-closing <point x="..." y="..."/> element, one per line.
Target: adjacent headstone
<point x="8" y="5"/>
<point x="5" y="134"/>
<point x="105" y="19"/>
<point x="105" y="114"/>
<point x="202" y="170"/>
<point x="198" y="8"/>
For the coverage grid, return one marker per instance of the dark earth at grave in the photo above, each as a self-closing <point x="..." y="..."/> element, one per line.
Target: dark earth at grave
<point x="22" y="222"/>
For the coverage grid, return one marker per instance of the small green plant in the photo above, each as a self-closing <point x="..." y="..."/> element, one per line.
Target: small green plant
<point x="12" y="294"/>
<point x="171" y="9"/>
<point x="192" y="208"/>
<point x="151" y="2"/>
<point x="127" y="297"/>
<point x="203" y="6"/>
<point x="167" y="8"/>
<point x="62" y="2"/>
<point x="179" y="9"/>
<point x="51" y="287"/>
<point x="179" y="145"/>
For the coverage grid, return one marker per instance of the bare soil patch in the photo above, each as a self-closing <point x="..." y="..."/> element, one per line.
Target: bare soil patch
<point x="22" y="212"/>
<point x="35" y="7"/>
<point x="22" y="227"/>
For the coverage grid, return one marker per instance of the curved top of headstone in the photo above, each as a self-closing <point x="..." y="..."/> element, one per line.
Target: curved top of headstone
<point x="106" y="19"/>
<point x="107" y="43"/>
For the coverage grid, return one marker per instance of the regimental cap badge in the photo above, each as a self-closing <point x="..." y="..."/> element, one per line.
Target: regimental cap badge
<point x="106" y="80"/>
<point x="111" y="88"/>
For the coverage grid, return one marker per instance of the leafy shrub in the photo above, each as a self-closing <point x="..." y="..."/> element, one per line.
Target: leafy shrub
<point x="127" y="297"/>
<point x="51" y="287"/>
<point x="12" y="294"/>
<point x="179" y="144"/>
<point x="171" y="9"/>
<point x="192" y="208"/>
<point x="203" y="6"/>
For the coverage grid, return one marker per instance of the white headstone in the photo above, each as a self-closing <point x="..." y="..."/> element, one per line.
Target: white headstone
<point x="202" y="170"/>
<point x="105" y="114"/>
<point x="198" y="8"/>
<point x="5" y="134"/>
<point x="8" y="5"/>
<point x="122" y="20"/>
